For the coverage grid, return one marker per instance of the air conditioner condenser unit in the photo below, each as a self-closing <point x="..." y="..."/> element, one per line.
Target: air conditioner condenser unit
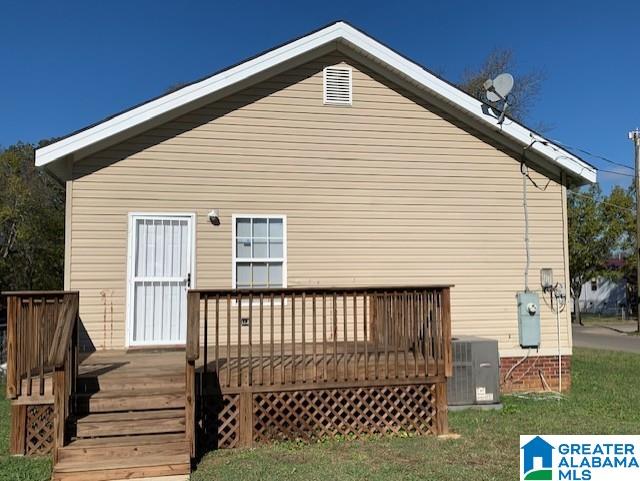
<point x="476" y="372"/>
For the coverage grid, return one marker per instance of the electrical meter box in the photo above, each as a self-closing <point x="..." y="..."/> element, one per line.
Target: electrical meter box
<point x="528" y="319"/>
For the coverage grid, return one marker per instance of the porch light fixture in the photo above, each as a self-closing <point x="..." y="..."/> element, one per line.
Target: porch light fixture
<point x="214" y="216"/>
<point x="546" y="279"/>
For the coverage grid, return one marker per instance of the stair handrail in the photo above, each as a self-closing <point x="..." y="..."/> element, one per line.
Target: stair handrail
<point x="63" y="357"/>
<point x="65" y="325"/>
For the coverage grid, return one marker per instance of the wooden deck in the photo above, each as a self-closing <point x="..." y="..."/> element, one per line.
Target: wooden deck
<point x="142" y="368"/>
<point x="316" y="362"/>
<point x="332" y="361"/>
<point x="290" y="366"/>
<point x="131" y="369"/>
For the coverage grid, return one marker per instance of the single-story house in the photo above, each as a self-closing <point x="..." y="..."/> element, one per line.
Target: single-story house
<point x="307" y="230"/>
<point x="331" y="160"/>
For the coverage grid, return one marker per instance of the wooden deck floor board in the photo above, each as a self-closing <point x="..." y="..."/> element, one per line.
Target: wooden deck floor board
<point x="110" y="373"/>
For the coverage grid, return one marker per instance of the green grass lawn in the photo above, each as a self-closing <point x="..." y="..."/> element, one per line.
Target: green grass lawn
<point x="604" y="400"/>
<point x="595" y="319"/>
<point x="607" y="321"/>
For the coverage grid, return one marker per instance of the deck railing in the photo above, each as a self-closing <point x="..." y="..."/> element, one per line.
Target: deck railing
<point x="42" y="350"/>
<point x="303" y="338"/>
<point x="32" y="319"/>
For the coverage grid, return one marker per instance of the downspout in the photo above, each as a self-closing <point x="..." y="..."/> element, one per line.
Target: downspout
<point x="525" y="173"/>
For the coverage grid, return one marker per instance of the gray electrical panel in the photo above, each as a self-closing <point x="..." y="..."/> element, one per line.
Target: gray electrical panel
<point x="528" y="319"/>
<point x="476" y="370"/>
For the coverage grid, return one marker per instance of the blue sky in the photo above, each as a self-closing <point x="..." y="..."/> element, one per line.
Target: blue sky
<point x="67" y="64"/>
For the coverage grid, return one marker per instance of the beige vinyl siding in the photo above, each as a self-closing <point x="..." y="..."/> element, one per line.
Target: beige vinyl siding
<point x="387" y="191"/>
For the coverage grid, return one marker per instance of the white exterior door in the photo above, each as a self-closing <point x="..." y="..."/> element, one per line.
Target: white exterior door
<point x="161" y="269"/>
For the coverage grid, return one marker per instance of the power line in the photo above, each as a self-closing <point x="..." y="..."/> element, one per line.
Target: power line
<point x="595" y="156"/>
<point x="600" y="201"/>
<point x="616" y="172"/>
<point x="591" y="154"/>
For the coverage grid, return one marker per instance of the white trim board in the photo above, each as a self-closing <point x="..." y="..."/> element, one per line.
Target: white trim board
<point x="125" y="124"/>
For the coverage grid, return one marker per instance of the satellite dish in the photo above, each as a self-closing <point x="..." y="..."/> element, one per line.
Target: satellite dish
<point x="497" y="91"/>
<point x="499" y="88"/>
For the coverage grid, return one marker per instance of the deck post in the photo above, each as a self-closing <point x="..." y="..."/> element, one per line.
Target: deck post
<point x="12" y="359"/>
<point x="17" y="441"/>
<point x="59" y="409"/>
<point x="192" y="354"/>
<point x="190" y="411"/>
<point x="446" y="331"/>
<point x="442" y="415"/>
<point x="193" y="326"/>
<point x="245" y="406"/>
<point x="442" y="409"/>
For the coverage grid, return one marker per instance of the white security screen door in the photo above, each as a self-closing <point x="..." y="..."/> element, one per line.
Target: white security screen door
<point x="161" y="264"/>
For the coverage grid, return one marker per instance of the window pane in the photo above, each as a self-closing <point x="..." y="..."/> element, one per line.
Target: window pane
<point x="243" y="275"/>
<point x="141" y="248"/>
<point x="275" y="275"/>
<point x="243" y="248"/>
<point x="275" y="249"/>
<point x="243" y="227"/>
<point x="259" y="275"/>
<point x="259" y="238"/>
<point x="259" y="227"/>
<point x="275" y="228"/>
<point x="260" y="248"/>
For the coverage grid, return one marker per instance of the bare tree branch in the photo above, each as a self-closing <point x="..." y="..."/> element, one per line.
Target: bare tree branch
<point x="527" y="84"/>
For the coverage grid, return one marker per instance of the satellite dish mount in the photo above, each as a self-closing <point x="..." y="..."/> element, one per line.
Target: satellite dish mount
<point x="498" y="90"/>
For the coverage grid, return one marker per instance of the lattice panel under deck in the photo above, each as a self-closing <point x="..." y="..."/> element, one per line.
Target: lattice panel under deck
<point x="221" y="421"/>
<point x="229" y="422"/>
<point x="313" y="414"/>
<point x="39" y="437"/>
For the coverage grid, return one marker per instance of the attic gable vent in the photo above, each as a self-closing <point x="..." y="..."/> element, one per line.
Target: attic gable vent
<point x="337" y="86"/>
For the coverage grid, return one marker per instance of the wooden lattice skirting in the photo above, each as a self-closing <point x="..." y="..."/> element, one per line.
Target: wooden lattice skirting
<point x="248" y="418"/>
<point x="219" y="421"/>
<point x="32" y="429"/>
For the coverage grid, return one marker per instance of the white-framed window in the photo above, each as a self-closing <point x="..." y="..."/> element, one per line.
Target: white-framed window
<point x="259" y="251"/>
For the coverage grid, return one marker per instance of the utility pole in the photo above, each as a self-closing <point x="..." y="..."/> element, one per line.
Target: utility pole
<point x="635" y="137"/>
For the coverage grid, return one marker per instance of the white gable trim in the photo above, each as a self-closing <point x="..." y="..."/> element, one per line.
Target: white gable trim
<point x="116" y="126"/>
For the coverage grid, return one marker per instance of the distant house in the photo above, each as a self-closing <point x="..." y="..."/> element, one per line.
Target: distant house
<point x="601" y="295"/>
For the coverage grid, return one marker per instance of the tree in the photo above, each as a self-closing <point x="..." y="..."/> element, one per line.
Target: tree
<point x="526" y="87"/>
<point x="621" y="212"/>
<point x="596" y="228"/>
<point x="31" y="222"/>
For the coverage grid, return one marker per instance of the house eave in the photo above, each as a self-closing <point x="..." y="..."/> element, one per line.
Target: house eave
<point x="166" y="107"/>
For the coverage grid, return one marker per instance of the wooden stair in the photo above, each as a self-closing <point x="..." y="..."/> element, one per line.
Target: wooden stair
<point x="126" y="428"/>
